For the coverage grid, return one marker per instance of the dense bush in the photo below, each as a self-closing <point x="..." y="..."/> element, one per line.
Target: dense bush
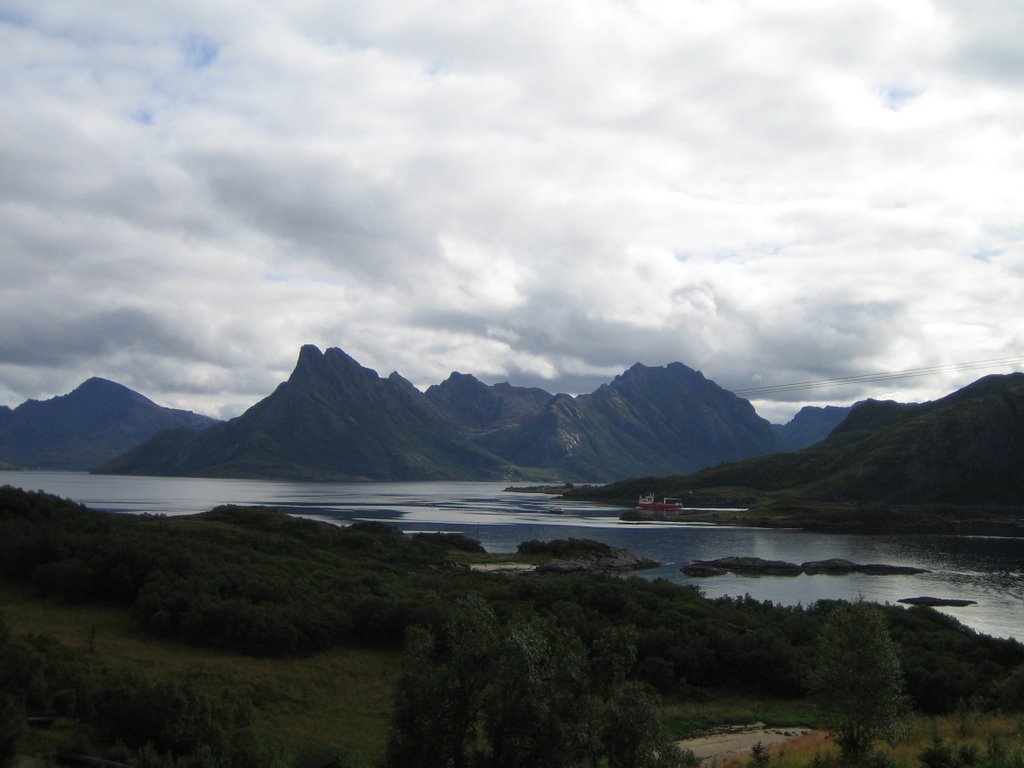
<point x="121" y="714"/>
<point x="947" y="666"/>
<point x="251" y="580"/>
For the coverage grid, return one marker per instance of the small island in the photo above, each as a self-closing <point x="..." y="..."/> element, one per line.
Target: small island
<point x="936" y="602"/>
<point x="569" y="556"/>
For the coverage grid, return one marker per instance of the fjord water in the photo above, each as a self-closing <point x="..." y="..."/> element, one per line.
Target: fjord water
<point x="989" y="570"/>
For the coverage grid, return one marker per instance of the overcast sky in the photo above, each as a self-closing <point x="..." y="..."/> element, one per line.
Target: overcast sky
<point x="539" y="192"/>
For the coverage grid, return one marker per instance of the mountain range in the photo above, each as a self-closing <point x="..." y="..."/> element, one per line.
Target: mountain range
<point x="335" y="419"/>
<point x="647" y="420"/>
<point x="97" y="421"/>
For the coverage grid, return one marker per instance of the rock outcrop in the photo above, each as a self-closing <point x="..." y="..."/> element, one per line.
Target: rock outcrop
<point x="614" y="561"/>
<point x="759" y="567"/>
<point x="746" y="565"/>
<point x="838" y="565"/>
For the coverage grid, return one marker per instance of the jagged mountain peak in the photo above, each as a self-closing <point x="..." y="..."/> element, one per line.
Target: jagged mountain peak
<point x="676" y="376"/>
<point x="673" y="367"/>
<point x="455" y="377"/>
<point x="313" y="362"/>
<point x="462" y="383"/>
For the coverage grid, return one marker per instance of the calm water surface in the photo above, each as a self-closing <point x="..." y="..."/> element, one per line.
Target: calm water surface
<point x="986" y="569"/>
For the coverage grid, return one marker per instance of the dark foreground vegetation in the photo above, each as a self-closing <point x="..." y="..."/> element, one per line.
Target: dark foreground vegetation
<point x="558" y="669"/>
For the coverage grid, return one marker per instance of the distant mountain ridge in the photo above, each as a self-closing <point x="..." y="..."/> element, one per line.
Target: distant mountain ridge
<point x="965" y="448"/>
<point x="97" y="421"/>
<point x="812" y="424"/>
<point x="334" y="419"/>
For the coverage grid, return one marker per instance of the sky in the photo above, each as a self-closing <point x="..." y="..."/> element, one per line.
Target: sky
<point x="536" y="192"/>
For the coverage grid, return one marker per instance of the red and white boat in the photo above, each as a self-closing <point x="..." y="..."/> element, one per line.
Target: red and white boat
<point x="668" y="503"/>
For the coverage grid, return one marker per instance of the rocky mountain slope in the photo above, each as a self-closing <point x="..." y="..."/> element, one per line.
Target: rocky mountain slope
<point x="480" y="408"/>
<point x="652" y="420"/>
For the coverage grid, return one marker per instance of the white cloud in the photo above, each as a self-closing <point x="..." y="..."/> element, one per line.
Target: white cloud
<point x="543" y="192"/>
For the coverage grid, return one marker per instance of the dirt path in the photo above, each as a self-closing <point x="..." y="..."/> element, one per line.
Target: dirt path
<point x="730" y="742"/>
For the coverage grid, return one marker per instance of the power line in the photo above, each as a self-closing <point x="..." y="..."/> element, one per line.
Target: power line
<point x="876" y="377"/>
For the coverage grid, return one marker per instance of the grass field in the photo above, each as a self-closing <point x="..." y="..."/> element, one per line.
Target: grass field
<point x="341" y="697"/>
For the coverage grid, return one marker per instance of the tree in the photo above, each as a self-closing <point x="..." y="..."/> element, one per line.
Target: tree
<point x="440" y="695"/>
<point x="524" y="692"/>
<point x="633" y="737"/>
<point x="856" y="677"/>
<point x="19" y="680"/>
<point x="532" y="715"/>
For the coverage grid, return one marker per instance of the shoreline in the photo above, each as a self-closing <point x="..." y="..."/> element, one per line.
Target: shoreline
<point x="961" y="521"/>
<point x="753" y="511"/>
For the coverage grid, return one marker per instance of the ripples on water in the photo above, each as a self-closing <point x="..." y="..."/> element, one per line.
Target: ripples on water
<point x="989" y="570"/>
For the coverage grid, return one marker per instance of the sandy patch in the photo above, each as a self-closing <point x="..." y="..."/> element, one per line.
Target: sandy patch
<point x="738" y="740"/>
<point x="503" y="567"/>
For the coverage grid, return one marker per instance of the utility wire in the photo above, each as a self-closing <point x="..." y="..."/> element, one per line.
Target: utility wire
<point x="876" y="377"/>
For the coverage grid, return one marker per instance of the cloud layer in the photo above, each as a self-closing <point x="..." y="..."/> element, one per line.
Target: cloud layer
<point x="537" y="192"/>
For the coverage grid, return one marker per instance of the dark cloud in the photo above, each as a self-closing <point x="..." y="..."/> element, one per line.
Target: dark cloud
<point x="987" y="41"/>
<point x="317" y="208"/>
<point x="50" y="338"/>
